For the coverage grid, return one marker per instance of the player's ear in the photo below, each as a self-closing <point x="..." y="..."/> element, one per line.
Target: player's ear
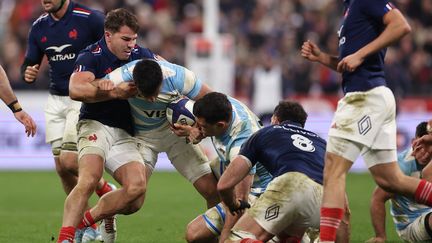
<point x="107" y="35"/>
<point x="274" y="120"/>
<point x="221" y="124"/>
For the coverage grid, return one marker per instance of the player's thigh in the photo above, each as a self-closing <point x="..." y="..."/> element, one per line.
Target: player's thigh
<point x="55" y="118"/>
<point x="416" y="231"/>
<point x="188" y="159"/>
<point x="94" y="138"/>
<point x="124" y="152"/>
<point x="248" y="224"/>
<point x="70" y="134"/>
<point x="367" y="118"/>
<point x="291" y="201"/>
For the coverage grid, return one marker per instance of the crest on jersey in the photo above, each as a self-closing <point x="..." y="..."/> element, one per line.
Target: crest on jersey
<point x="44" y="39"/>
<point x="73" y="34"/>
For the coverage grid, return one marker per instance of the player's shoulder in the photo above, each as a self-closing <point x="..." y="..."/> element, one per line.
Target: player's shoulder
<point x="92" y="51"/>
<point x="84" y="12"/>
<point x="139" y="52"/>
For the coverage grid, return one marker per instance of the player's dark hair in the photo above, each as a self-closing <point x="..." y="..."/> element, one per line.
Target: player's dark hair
<point x="148" y="77"/>
<point x="118" y="18"/>
<point x="421" y="129"/>
<point x="290" y="111"/>
<point x="213" y="107"/>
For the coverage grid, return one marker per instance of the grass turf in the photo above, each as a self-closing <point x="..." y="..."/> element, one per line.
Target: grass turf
<point x="31" y="208"/>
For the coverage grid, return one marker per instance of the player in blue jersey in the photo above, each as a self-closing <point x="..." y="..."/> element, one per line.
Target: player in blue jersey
<point x="60" y="34"/>
<point x="8" y="97"/>
<point x="228" y="123"/>
<point x="104" y="130"/>
<point x="295" y="158"/>
<point x="413" y="222"/>
<point x="364" y="122"/>
<point x="159" y="83"/>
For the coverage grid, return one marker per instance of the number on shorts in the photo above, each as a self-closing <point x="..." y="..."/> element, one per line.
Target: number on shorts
<point x="302" y="143"/>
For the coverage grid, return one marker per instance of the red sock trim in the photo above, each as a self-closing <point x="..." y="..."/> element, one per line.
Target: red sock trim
<point x="423" y="193"/>
<point x="66" y="233"/>
<point x="329" y="223"/>
<point x="87" y="220"/>
<point x="105" y="189"/>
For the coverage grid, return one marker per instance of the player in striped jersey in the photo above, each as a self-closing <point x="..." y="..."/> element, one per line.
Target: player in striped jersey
<point x="412" y="220"/>
<point x="159" y="83"/>
<point x="229" y="123"/>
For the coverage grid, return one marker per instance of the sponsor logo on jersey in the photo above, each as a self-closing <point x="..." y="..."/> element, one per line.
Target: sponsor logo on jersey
<point x="58" y="49"/>
<point x="61" y="57"/>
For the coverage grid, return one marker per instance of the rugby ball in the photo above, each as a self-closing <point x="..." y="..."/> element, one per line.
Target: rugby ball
<point x="181" y="112"/>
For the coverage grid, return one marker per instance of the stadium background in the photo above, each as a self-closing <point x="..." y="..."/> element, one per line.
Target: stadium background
<point x="260" y="39"/>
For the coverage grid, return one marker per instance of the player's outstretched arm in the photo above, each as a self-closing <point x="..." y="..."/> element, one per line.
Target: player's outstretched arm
<point x="310" y="51"/>
<point x="9" y="98"/>
<point x="378" y="214"/>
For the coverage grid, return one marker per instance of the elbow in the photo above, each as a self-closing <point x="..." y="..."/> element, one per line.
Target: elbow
<point x="74" y="95"/>
<point x="406" y="29"/>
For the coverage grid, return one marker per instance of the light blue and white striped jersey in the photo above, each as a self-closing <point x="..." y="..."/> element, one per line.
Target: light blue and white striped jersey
<point x="243" y="124"/>
<point x="403" y="209"/>
<point x="177" y="82"/>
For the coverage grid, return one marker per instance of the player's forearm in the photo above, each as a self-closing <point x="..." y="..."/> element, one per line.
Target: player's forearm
<point x="378" y="212"/>
<point x="6" y="93"/>
<point x="329" y="60"/>
<point x="87" y="91"/>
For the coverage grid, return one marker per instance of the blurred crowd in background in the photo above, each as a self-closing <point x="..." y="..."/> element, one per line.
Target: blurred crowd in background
<point x="268" y="35"/>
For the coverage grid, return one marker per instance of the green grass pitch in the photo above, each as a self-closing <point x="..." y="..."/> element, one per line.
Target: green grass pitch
<point x="31" y="207"/>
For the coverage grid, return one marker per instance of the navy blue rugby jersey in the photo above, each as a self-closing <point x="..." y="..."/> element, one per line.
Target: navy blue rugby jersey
<point x="287" y="147"/>
<point x="99" y="60"/>
<point x="362" y="23"/>
<point x="62" y="40"/>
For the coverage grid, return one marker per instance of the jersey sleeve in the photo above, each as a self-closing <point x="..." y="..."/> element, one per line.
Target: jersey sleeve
<point x="376" y="8"/>
<point x="96" y="22"/>
<point x="85" y="63"/>
<point x="123" y="73"/>
<point x="187" y="82"/>
<point x="146" y="53"/>
<point x="33" y="52"/>
<point x="250" y="148"/>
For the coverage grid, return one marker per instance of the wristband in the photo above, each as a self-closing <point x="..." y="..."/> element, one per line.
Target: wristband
<point x="15" y="106"/>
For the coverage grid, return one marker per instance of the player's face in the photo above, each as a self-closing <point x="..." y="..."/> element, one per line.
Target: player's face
<point x="122" y="42"/>
<point x="51" y="6"/>
<point x="209" y="129"/>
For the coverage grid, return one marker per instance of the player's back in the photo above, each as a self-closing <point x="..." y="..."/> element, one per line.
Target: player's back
<point x="287" y="147"/>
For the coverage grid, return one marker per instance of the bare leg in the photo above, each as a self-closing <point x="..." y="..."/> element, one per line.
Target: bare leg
<point x="206" y="186"/>
<point x="90" y="170"/>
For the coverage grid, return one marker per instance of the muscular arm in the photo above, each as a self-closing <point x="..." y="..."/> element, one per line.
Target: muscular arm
<point x="241" y="192"/>
<point x="83" y="87"/>
<point x="378" y="213"/>
<point x="396" y="28"/>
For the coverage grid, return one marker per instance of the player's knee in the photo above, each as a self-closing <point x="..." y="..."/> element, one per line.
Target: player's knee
<point x="192" y="233"/>
<point x="135" y="190"/>
<point x="69" y="162"/>
<point x="388" y="184"/>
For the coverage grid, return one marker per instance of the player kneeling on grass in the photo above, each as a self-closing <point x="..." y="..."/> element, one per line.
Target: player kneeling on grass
<point x="291" y="203"/>
<point x="412" y="220"/>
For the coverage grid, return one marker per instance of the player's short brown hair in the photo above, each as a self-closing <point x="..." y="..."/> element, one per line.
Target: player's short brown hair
<point x="118" y="18"/>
